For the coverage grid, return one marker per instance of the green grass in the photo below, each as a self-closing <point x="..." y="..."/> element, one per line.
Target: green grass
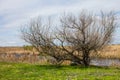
<point x="21" y="71"/>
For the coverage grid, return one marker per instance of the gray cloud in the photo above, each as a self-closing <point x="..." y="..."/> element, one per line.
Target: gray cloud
<point x="13" y="13"/>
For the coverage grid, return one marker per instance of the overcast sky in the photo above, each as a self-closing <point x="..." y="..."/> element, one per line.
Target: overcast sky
<point x="14" y="13"/>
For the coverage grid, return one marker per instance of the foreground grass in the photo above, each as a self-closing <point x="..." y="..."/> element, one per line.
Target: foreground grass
<point x="20" y="71"/>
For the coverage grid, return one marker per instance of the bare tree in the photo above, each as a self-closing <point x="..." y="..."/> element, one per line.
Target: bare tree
<point x="86" y="33"/>
<point x="77" y="38"/>
<point x="40" y="35"/>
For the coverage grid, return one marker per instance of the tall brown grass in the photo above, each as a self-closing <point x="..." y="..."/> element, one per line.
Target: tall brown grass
<point x="111" y="51"/>
<point x="19" y="54"/>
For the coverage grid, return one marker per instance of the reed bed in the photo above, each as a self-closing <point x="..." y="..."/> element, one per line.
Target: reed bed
<point x="18" y="54"/>
<point x="110" y="52"/>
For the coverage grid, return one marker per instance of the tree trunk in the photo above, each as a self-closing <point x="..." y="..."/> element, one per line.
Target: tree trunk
<point x="86" y="58"/>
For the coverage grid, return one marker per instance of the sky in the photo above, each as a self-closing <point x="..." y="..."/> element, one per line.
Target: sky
<point x="15" y="13"/>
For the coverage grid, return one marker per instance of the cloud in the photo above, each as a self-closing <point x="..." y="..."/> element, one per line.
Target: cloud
<point x="14" y="13"/>
<point x="17" y="10"/>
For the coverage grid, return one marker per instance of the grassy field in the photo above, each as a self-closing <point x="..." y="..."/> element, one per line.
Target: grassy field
<point x="20" y="71"/>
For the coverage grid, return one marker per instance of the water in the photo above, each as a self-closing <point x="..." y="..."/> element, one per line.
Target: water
<point x="105" y="62"/>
